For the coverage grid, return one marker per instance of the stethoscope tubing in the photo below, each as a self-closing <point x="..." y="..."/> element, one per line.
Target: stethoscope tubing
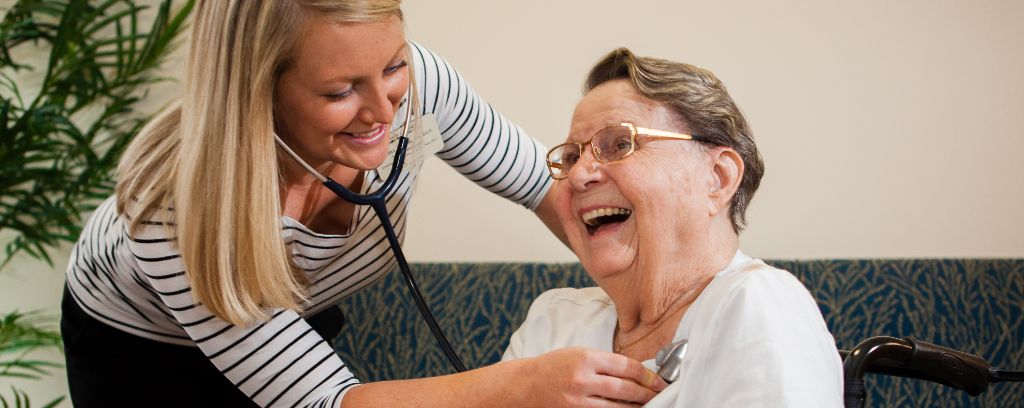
<point x="378" y="201"/>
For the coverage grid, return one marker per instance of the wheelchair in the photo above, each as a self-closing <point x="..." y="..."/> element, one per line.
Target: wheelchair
<point x="912" y="358"/>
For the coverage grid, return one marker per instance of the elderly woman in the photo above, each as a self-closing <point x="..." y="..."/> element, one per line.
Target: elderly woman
<point x="653" y="183"/>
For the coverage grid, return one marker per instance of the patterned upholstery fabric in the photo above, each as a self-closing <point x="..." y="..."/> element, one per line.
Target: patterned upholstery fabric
<point x="969" y="305"/>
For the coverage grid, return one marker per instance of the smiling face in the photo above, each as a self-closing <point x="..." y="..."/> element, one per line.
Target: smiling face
<point x="655" y="204"/>
<point x="337" y="98"/>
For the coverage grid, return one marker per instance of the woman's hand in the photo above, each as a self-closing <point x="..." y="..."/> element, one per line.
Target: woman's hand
<point x="571" y="377"/>
<point x="581" y="377"/>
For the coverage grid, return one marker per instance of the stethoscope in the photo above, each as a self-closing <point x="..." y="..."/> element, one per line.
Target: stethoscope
<point x="668" y="359"/>
<point x="378" y="201"/>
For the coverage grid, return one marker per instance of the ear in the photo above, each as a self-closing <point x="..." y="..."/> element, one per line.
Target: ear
<point x="726" y="174"/>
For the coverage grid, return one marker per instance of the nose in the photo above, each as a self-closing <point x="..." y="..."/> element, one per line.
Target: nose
<point x="587" y="171"/>
<point x="378" y="104"/>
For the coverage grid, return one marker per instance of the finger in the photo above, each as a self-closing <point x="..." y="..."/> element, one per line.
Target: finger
<point x="622" y="390"/>
<point x="627" y="368"/>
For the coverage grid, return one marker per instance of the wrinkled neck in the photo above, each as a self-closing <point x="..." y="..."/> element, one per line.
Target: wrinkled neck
<point x="650" y="292"/>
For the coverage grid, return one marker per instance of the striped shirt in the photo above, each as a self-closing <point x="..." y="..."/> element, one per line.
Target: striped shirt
<point x="136" y="282"/>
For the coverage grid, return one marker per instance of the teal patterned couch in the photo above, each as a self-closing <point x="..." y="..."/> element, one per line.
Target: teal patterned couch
<point x="971" y="305"/>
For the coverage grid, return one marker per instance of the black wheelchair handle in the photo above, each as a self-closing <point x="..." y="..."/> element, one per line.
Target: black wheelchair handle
<point x="957" y="369"/>
<point x="912" y="358"/>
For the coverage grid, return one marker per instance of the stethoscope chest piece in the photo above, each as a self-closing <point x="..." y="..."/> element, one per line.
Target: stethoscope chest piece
<point x="670" y="360"/>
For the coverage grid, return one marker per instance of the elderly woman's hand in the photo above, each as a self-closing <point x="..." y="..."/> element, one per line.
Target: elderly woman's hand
<point x="582" y="377"/>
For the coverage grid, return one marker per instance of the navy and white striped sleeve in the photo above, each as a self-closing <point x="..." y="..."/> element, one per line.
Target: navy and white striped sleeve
<point x="281" y="362"/>
<point x="479" y="142"/>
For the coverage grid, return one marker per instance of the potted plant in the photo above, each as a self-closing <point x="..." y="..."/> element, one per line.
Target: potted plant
<point x="60" y="142"/>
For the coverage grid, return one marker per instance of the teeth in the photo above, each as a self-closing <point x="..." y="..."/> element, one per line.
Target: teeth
<point x="590" y="217"/>
<point x="371" y="133"/>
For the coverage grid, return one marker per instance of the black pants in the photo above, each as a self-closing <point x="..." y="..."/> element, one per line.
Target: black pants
<point x="110" y="368"/>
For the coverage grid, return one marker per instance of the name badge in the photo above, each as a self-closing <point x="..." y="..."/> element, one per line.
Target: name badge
<point x="424" y="139"/>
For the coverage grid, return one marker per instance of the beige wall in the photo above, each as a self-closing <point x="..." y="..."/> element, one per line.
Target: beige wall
<point x="889" y="129"/>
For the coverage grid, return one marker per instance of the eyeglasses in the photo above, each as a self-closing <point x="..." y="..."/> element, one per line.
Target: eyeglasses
<point x="610" y="144"/>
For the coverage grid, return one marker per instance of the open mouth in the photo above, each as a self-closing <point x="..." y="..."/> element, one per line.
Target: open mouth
<point x="600" y="218"/>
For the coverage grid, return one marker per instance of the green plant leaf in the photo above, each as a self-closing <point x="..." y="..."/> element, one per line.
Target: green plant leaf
<point x="20" y="335"/>
<point x="21" y="400"/>
<point x="61" y="148"/>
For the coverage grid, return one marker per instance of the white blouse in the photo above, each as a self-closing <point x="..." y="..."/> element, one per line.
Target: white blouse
<point x="755" y="338"/>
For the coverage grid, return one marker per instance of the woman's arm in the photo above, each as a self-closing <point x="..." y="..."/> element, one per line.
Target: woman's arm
<point x="573" y="377"/>
<point x="283" y="362"/>
<point x="479" y="143"/>
<point x="546" y="212"/>
<point x="279" y="362"/>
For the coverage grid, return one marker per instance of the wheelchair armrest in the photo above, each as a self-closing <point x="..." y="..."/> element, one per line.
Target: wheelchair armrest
<point x="912" y="358"/>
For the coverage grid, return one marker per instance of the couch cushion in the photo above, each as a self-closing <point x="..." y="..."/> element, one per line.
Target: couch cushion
<point x="970" y="305"/>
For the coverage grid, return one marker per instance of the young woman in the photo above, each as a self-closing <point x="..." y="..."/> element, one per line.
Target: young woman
<point x="192" y="285"/>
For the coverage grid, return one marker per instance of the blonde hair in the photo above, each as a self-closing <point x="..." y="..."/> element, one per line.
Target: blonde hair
<point x="697" y="96"/>
<point x="213" y="156"/>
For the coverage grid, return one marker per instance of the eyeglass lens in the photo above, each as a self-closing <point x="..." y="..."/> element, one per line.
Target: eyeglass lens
<point x="609" y="144"/>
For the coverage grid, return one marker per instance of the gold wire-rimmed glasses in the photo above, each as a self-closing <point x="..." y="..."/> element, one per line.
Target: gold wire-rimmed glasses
<point x="613" y="143"/>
